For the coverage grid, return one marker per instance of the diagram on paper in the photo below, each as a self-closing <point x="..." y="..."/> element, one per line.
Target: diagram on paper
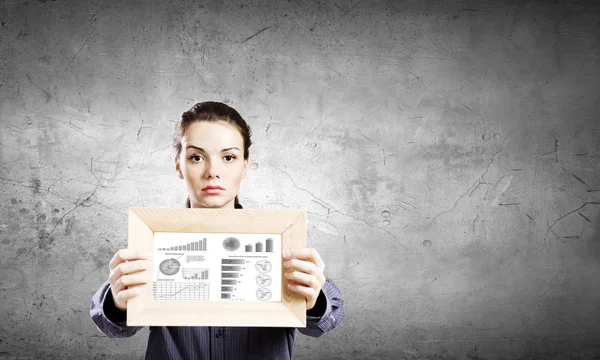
<point x="217" y="267"/>
<point x="181" y="291"/>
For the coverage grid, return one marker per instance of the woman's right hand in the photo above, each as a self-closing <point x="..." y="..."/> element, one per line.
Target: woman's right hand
<point x="128" y="268"/>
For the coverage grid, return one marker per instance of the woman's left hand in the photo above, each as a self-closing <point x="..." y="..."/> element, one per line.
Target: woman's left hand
<point x="304" y="271"/>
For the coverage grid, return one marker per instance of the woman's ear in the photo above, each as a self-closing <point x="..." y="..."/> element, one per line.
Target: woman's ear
<point x="178" y="167"/>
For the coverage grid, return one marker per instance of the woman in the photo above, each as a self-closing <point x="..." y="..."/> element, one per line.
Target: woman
<point x="211" y="144"/>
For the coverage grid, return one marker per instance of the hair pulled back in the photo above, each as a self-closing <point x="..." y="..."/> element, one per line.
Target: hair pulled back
<point x="212" y="111"/>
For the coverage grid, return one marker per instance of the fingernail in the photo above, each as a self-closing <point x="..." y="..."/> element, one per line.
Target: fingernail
<point x="286" y="255"/>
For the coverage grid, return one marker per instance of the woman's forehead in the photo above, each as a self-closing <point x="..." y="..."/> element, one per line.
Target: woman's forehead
<point x="212" y="134"/>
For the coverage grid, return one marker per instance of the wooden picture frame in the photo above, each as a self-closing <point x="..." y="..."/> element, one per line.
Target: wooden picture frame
<point x="143" y="310"/>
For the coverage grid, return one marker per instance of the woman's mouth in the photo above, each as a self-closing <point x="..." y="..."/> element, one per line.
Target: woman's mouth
<point x="213" y="190"/>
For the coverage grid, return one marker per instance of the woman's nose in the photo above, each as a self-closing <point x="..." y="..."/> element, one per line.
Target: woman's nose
<point x="212" y="169"/>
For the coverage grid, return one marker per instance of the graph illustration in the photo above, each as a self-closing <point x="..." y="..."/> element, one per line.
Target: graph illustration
<point x="263" y="266"/>
<point x="230" y="275"/>
<point x="217" y="266"/>
<point x="231" y="244"/>
<point x="260" y="247"/>
<point x="233" y="261"/>
<point x="180" y="291"/>
<point x="263" y="294"/>
<point x="169" y="267"/>
<point x="263" y="280"/>
<point x="195" y="274"/>
<point x="199" y="245"/>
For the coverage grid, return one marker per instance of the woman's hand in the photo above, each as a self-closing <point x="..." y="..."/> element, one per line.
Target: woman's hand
<point x="304" y="271"/>
<point x="128" y="268"/>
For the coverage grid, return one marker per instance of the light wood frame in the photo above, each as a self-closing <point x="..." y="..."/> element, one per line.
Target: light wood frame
<point x="143" y="310"/>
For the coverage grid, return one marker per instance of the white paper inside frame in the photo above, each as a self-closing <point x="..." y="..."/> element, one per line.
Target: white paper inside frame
<point x="217" y="267"/>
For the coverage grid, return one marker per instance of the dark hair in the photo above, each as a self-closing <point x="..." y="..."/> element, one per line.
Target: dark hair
<point x="212" y="111"/>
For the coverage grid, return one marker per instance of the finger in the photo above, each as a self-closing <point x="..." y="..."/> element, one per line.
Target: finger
<point x="128" y="268"/>
<point x="307" y="253"/>
<point x="138" y="278"/>
<point x="302" y="279"/>
<point x="116" y="287"/>
<point x="125" y="281"/>
<point x="127" y="294"/>
<point x="127" y="255"/>
<point x="301" y="265"/>
<point x="309" y="293"/>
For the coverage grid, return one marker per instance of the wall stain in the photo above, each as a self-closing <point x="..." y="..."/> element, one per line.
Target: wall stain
<point x="69" y="226"/>
<point x="36" y="186"/>
<point x="103" y="255"/>
<point x="13" y="277"/>
<point x="472" y="355"/>
<point x="44" y="241"/>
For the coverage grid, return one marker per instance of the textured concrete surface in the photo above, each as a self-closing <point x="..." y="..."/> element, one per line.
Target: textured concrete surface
<point x="448" y="155"/>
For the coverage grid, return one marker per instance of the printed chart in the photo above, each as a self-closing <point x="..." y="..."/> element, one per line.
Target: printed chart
<point x="195" y="274"/>
<point x="199" y="245"/>
<point x="260" y="246"/>
<point x="180" y="291"/>
<point x="217" y="267"/>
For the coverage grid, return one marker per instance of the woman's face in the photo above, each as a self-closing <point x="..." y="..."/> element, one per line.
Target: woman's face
<point x="212" y="163"/>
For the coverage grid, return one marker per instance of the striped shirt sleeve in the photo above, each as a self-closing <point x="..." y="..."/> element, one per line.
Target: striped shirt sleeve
<point x="108" y="319"/>
<point x="333" y="313"/>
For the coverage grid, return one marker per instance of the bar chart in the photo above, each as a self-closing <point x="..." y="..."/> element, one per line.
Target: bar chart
<point x="199" y="245"/>
<point x="231" y="270"/>
<point x="233" y="262"/>
<point x="180" y="291"/>
<point x="195" y="274"/>
<point x="260" y="246"/>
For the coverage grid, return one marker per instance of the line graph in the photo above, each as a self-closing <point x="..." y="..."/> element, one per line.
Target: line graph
<point x="180" y="291"/>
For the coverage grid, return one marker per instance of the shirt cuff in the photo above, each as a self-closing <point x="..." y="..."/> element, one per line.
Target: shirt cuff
<point x="321" y="309"/>
<point x="112" y="313"/>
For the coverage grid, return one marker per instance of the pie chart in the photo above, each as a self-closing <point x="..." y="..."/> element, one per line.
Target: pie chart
<point x="169" y="267"/>
<point x="263" y="294"/>
<point x="231" y="244"/>
<point x="263" y="266"/>
<point x="263" y="280"/>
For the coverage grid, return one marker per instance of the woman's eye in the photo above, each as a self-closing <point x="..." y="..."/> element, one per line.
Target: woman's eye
<point x="196" y="157"/>
<point x="229" y="158"/>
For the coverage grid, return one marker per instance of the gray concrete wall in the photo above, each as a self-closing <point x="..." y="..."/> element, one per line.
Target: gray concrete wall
<point x="447" y="154"/>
